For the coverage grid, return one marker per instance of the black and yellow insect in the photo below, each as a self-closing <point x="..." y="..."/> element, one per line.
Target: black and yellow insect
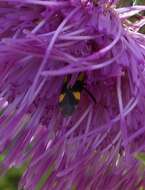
<point x="70" y="95"/>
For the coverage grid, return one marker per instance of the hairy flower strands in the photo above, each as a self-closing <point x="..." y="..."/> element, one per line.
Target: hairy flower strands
<point x="42" y="42"/>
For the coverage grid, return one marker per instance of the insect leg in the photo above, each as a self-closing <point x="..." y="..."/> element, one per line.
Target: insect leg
<point x="90" y="94"/>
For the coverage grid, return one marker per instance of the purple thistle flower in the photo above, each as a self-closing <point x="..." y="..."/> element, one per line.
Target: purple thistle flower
<point x="93" y="148"/>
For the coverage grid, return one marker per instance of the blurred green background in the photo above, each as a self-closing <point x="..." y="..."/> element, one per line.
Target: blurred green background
<point x="11" y="179"/>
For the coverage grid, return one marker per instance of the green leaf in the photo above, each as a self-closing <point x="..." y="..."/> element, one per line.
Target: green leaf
<point x="44" y="178"/>
<point x="139" y="2"/>
<point x="141" y="157"/>
<point x="124" y="3"/>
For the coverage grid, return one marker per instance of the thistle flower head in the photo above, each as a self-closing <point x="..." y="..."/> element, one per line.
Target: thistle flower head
<point x="41" y="44"/>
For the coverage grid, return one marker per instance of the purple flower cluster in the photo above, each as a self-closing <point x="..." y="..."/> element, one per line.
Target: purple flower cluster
<point x="41" y="43"/>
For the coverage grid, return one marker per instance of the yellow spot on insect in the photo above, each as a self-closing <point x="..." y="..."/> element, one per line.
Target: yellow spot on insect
<point x="61" y="97"/>
<point x="65" y="79"/>
<point x="81" y="77"/>
<point x="77" y="95"/>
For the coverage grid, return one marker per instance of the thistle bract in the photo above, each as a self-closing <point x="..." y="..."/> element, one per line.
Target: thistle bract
<point x="41" y="43"/>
